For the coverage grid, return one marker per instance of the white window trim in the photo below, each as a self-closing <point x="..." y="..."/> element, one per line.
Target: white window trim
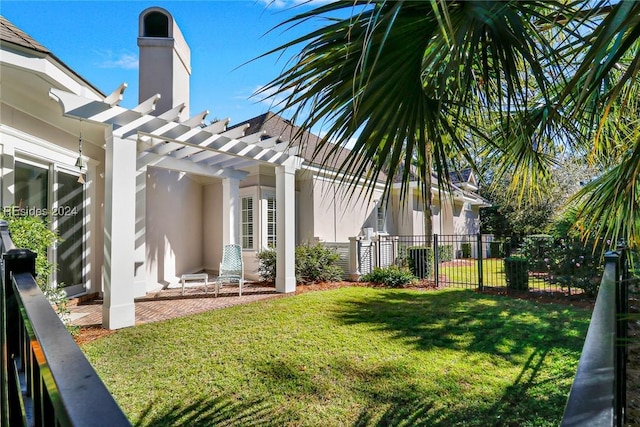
<point x="266" y="194"/>
<point x="252" y="223"/>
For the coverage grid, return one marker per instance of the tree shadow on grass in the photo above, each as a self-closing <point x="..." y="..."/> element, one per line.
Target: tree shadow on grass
<point x="217" y="411"/>
<point x="465" y="320"/>
<point x="519" y="405"/>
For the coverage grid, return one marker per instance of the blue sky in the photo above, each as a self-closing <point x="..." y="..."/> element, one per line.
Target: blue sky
<point x="98" y="39"/>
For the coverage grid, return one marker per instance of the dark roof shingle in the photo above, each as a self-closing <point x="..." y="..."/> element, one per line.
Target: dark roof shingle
<point x="12" y="34"/>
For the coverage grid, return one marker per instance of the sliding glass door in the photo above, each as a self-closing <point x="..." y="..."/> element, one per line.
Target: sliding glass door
<point x="55" y="193"/>
<point x="68" y="219"/>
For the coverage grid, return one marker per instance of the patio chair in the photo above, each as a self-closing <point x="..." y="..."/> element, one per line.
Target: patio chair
<point x="231" y="267"/>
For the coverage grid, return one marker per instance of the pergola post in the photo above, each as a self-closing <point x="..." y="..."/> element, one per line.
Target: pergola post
<point x="285" y="229"/>
<point x="140" y="267"/>
<point x="118" y="309"/>
<point x="230" y="211"/>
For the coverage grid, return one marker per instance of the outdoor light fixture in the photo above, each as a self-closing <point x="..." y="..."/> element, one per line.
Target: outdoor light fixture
<point x="80" y="164"/>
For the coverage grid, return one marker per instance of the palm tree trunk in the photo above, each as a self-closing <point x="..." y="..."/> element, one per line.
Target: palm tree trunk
<point x="426" y="196"/>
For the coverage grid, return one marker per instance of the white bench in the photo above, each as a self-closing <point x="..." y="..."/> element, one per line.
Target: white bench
<point x="195" y="276"/>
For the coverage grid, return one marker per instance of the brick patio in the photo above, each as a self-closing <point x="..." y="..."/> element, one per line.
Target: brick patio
<point x="170" y="303"/>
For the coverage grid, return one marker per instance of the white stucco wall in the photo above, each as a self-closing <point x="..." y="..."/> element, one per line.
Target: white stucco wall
<point x="212" y="226"/>
<point x="338" y="213"/>
<point x="174" y="228"/>
<point x="306" y="210"/>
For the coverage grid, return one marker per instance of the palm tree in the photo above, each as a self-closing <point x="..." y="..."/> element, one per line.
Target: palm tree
<point x="433" y="81"/>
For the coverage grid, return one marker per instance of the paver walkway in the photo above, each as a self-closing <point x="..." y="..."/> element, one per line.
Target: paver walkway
<point x="169" y="303"/>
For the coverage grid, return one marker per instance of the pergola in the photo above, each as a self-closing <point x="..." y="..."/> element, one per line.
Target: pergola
<point x="135" y="140"/>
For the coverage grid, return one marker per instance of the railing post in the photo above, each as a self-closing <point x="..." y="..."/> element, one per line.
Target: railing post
<point x="480" y="272"/>
<point x="355" y="259"/>
<point x="4" y="372"/>
<point x="14" y="261"/>
<point x="436" y="259"/>
<point x="622" y="310"/>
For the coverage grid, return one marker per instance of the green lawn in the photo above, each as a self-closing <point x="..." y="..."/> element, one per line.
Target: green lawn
<point x="350" y="357"/>
<point x="466" y="271"/>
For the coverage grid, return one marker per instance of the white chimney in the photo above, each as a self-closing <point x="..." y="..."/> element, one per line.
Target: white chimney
<point x="165" y="61"/>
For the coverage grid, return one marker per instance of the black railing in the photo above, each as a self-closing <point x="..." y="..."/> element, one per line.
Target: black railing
<point x="45" y="379"/>
<point x="598" y="393"/>
<point x="475" y="261"/>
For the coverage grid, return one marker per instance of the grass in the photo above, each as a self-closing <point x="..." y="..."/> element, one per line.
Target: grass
<point x="466" y="271"/>
<point x="350" y="357"/>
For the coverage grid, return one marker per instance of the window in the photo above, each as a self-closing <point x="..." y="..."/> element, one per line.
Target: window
<point x="271" y="221"/>
<point x="381" y="219"/>
<point x="52" y="192"/>
<point x="31" y="187"/>
<point x="247" y="222"/>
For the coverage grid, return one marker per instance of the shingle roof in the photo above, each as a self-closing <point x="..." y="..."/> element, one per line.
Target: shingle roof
<point x="12" y="34"/>
<point x="274" y="125"/>
<point x="460" y="176"/>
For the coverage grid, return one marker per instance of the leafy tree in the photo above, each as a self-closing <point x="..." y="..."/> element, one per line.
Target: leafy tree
<point x="515" y="82"/>
<point x="537" y="212"/>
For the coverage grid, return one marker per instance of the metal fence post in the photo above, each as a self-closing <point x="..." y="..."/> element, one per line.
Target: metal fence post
<point x="436" y="259"/>
<point x="480" y="272"/>
<point x="622" y="311"/>
<point x="14" y="261"/>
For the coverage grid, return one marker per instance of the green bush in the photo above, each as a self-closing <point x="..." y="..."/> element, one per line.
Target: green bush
<point x="445" y="253"/>
<point x="317" y="263"/>
<point x="267" y="264"/>
<point x="496" y="249"/>
<point x="516" y="270"/>
<point x="314" y="263"/>
<point x="392" y="276"/>
<point x="34" y="233"/>
<point x="419" y="260"/>
<point x="536" y="249"/>
<point x="466" y="250"/>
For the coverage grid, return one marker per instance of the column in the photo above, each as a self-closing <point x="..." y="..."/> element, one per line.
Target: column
<point x="140" y="254"/>
<point x="285" y="229"/>
<point x="230" y="211"/>
<point x="118" y="309"/>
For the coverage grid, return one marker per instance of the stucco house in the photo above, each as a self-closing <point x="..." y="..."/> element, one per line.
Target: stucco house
<point x="144" y="195"/>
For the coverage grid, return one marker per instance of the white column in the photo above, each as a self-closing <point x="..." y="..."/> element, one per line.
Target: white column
<point x="230" y="211"/>
<point x="354" y="259"/>
<point x="140" y="266"/>
<point x="118" y="309"/>
<point x="285" y="229"/>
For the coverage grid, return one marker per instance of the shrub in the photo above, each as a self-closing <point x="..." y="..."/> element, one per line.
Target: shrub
<point x="419" y="260"/>
<point x="314" y="263"/>
<point x="392" y="276"/>
<point x="445" y="253"/>
<point x="267" y="264"/>
<point x="572" y="264"/>
<point x="34" y="233"/>
<point x="496" y="249"/>
<point x="536" y="248"/>
<point x="516" y="270"/>
<point x="466" y="250"/>
<point x="317" y="263"/>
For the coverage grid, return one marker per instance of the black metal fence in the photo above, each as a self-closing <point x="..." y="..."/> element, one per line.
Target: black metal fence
<point x="476" y="261"/>
<point x="45" y="379"/>
<point x="598" y="393"/>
